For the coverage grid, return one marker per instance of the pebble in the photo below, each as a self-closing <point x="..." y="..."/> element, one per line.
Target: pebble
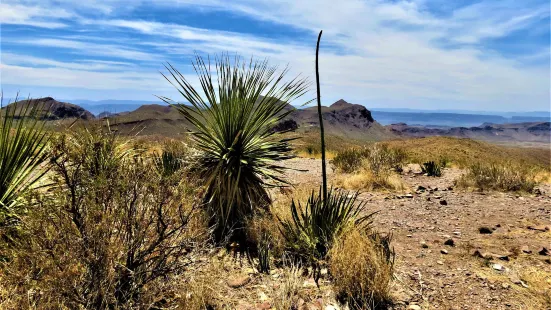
<point x="498" y="267"/>
<point x="444" y="251"/>
<point x="414" y="307"/>
<point x="449" y="242"/>
<point x="443" y="202"/>
<point x="485" y="230"/>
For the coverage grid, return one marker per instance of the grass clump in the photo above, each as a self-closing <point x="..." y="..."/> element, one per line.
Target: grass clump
<point x="499" y="177"/>
<point x="234" y="115"/>
<point x="361" y="265"/>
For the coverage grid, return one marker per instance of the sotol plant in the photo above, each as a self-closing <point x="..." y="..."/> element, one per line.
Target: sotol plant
<point x="233" y="115"/>
<point x="23" y="141"/>
<point x="313" y="228"/>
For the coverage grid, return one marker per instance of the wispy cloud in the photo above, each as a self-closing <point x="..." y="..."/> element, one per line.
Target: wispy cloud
<point x="430" y="53"/>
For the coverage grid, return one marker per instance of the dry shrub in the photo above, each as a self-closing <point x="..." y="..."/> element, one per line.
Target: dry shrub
<point x="504" y="177"/>
<point x="361" y="265"/>
<point x="378" y="158"/>
<point x="366" y="180"/>
<point x="110" y="231"/>
<point x="370" y="168"/>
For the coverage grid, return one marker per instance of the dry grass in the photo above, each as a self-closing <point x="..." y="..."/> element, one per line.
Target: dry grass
<point x="362" y="270"/>
<point x="366" y="180"/>
<point x="465" y="152"/>
<point x="286" y="294"/>
<point x="504" y="177"/>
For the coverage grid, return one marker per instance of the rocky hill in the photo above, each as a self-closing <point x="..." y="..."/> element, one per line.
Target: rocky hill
<point x="341" y="119"/>
<point x="51" y="109"/>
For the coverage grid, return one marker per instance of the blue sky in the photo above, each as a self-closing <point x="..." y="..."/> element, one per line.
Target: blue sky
<point x="420" y="54"/>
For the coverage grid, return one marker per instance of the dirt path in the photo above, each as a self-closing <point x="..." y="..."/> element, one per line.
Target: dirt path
<point x="433" y="273"/>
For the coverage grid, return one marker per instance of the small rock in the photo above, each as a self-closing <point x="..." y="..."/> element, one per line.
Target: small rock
<point x="264" y="306"/>
<point x="444" y="251"/>
<point x="439" y="262"/>
<point x="525" y="249"/>
<point x="239" y="281"/>
<point x="544" y="251"/>
<point x="498" y="267"/>
<point x="330" y="307"/>
<point x="437" y="197"/>
<point x="457" y="233"/>
<point x="449" y="242"/>
<point x="503" y="257"/>
<point x="539" y="228"/>
<point x="424" y="245"/>
<point x="505" y="285"/>
<point x="409" y="236"/>
<point x="309" y="283"/>
<point x="414" y="307"/>
<point x="421" y="188"/>
<point x="485" y="230"/>
<point x="443" y="202"/>
<point x="408" y="196"/>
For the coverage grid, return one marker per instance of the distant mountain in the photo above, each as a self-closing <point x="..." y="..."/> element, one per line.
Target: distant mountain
<point x="113" y="106"/>
<point x="340" y="119"/>
<point x="449" y="119"/>
<point x="52" y="109"/>
<point x="521" y="132"/>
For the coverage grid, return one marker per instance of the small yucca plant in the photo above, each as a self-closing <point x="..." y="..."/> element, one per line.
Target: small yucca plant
<point x="432" y="169"/>
<point x="233" y="115"/>
<point x="23" y="141"/>
<point x="312" y="229"/>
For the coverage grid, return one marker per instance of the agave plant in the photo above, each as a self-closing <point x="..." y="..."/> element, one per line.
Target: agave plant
<point x="233" y="115"/>
<point x="23" y="141"/>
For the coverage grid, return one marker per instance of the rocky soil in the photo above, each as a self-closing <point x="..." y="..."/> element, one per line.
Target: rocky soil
<point x="457" y="249"/>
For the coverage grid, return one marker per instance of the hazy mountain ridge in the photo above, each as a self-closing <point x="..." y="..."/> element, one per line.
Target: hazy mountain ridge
<point x="522" y="132"/>
<point x="341" y="119"/>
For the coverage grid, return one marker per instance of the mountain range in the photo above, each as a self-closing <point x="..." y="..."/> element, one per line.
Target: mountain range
<point x="341" y="119"/>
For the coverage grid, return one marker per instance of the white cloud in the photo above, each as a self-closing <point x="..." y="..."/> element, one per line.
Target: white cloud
<point x="33" y="15"/>
<point x="96" y="49"/>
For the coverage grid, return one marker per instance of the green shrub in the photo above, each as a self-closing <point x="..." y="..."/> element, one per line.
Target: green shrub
<point x="349" y="160"/>
<point x="108" y="233"/>
<point x="432" y="169"/>
<point x="233" y="130"/>
<point x="499" y="177"/>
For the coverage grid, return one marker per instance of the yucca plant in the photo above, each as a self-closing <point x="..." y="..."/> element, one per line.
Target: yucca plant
<point x="167" y="163"/>
<point x="233" y="116"/>
<point x="432" y="169"/>
<point x="23" y="141"/>
<point x="310" y="233"/>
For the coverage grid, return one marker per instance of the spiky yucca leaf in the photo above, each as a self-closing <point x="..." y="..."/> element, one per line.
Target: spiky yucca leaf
<point x="233" y="115"/>
<point x="313" y="228"/>
<point x="23" y="141"/>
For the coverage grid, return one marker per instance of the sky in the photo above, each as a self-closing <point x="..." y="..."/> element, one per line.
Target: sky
<point x="491" y="55"/>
